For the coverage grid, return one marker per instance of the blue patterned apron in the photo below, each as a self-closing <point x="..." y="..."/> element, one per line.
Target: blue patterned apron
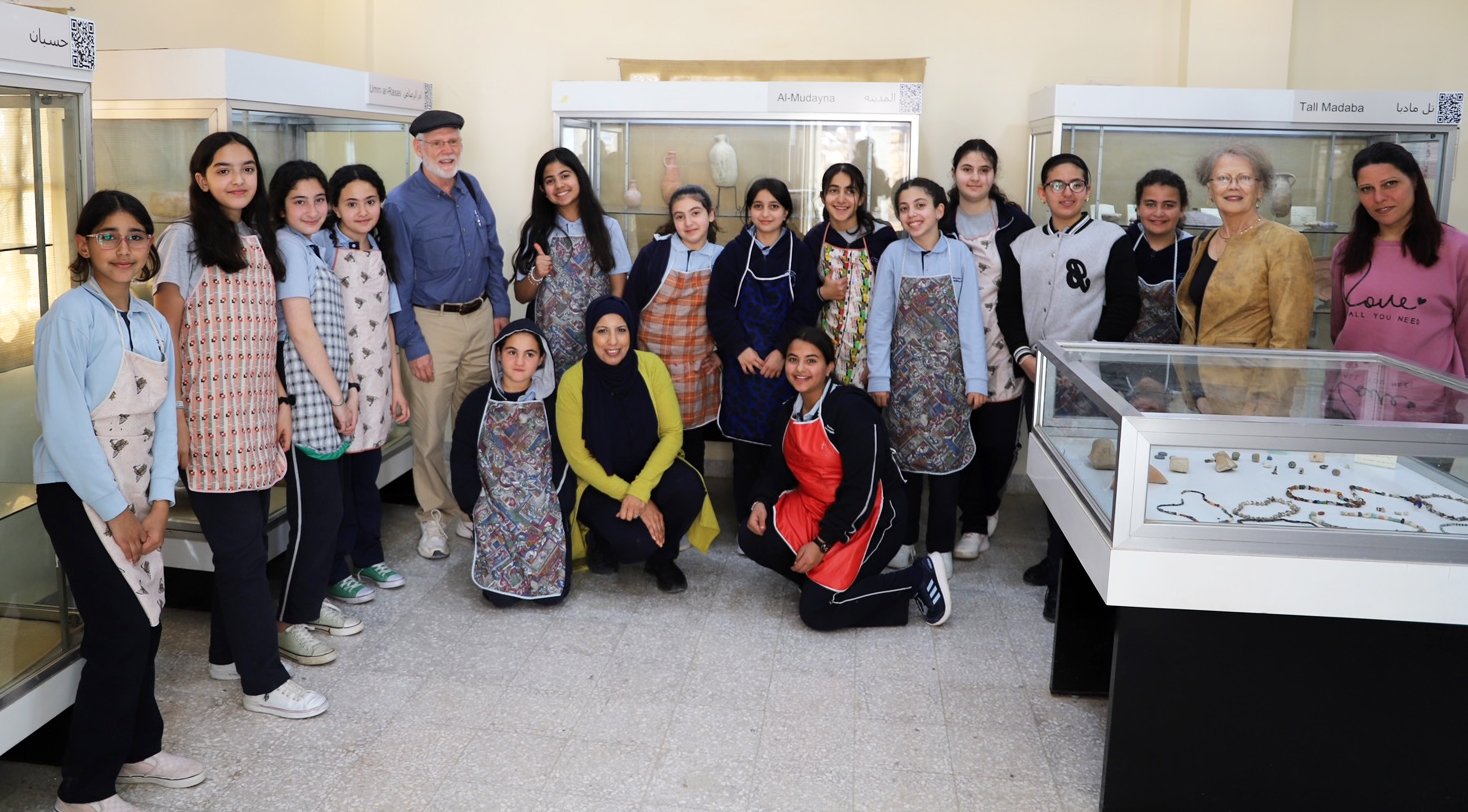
<point x="761" y="304"/>
<point x="928" y="413"/>
<point x="519" y="542"/>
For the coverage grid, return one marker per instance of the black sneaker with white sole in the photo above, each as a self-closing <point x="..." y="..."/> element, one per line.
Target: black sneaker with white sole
<point x="932" y="596"/>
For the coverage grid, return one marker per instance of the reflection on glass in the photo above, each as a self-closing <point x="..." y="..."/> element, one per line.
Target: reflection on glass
<point x="149" y="159"/>
<point x="328" y="141"/>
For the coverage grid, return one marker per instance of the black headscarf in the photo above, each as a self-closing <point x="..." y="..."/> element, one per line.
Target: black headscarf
<point x="618" y="420"/>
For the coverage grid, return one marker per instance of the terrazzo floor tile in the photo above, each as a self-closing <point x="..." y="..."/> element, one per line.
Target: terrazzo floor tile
<point x="627" y="699"/>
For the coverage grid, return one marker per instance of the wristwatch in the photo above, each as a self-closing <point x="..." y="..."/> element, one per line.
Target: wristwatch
<point x="823" y="544"/>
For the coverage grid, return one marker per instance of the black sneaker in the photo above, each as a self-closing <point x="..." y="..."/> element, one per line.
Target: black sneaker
<point x="670" y="579"/>
<point x="599" y="558"/>
<point x="1038" y="575"/>
<point x="1049" y="611"/>
<point x="932" y="596"/>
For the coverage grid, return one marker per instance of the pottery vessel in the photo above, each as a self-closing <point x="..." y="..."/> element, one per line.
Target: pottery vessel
<point x="633" y="196"/>
<point x="723" y="162"/>
<point x="1282" y="197"/>
<point x="672" y="175"/>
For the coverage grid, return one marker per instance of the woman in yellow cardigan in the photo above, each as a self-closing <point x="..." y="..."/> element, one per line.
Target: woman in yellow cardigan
<point x="622" y="433"/>
<point x="1250" y="284"/>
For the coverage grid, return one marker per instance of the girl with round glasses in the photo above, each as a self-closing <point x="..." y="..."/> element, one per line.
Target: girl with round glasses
<point x="1076" y="280"/>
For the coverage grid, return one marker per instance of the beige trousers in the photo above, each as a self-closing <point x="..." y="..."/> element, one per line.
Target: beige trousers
<point x="459" y="346"/>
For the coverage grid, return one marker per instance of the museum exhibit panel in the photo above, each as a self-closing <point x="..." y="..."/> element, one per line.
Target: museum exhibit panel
<point x="1264" y="587"/>
<point x="1310" y="135"/>
<point x="641" y="140"/>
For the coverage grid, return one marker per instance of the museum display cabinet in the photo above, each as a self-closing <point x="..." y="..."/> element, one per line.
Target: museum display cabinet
<point x="641" y="140"/>
<point x="1310" y="136"/>
<point x="1263" y="570"/>
<point x="45" y="176"/>
<point x="153" y="107"/>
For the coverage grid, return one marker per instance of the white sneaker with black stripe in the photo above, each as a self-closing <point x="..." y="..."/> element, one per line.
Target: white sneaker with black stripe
<point x="934" y="600"/>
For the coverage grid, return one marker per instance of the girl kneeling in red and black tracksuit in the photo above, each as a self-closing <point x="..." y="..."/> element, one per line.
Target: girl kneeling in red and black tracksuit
<point x="829" y="511"/>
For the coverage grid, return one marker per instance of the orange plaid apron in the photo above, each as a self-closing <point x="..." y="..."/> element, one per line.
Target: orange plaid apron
<point x="675" y="327"/>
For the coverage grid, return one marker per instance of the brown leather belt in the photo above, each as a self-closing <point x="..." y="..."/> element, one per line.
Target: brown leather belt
<point x="462" y="308"/>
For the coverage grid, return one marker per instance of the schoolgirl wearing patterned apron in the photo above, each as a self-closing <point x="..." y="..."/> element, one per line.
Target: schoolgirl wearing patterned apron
<point x="561" y="298"/>
<point x="109" y="462"/>
<point x="673" y="324"/>
<point x="368" y="301"/>
<point x="852" y="257"/>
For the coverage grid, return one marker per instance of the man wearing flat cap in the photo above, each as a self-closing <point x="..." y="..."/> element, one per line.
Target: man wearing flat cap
<point x="450" y="269"/>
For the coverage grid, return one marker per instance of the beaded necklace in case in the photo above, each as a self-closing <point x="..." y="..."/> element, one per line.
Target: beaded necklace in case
<point x="1420" y="501"/>
<point x="1179" y="503"/>
<point x="1361" y="514"/>
<point x="1290" y="509"/>
<point x="1342" y="499"/>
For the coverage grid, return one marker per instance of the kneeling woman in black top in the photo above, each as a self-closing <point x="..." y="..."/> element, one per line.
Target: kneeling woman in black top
<point x="829" y="511"/>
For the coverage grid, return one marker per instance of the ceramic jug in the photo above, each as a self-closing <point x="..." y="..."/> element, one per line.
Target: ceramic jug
<point x="633" y="196"/>
<point x="672" y="175"/>
<point x="1282" y="197"/>
<point x="723" y="162"/>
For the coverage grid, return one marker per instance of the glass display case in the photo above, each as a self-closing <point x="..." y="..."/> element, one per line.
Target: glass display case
<point x="148" y="119"/>
<point x="1311" y="137"/>
<point x="1171" y="445"/>
<point x="45" y="160"/>
<point x="638" y="139"/>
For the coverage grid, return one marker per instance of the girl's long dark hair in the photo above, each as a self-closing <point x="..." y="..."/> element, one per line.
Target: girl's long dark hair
<point x="99" y="207"/>
<point x="216" y="241"/>
<point x="864" y="218"/>
<point x="542" y="220"/>
<point x="691" y="190"/>
<point x="286" y="176"/>
<point x="949" y="223"/>
<point x="1424" y="234"/>
<point x="338" y="184"/>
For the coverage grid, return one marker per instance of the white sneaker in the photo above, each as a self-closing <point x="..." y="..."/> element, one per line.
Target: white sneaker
<point x="463" y="528"/>
<point x="335" y="622"/>
<point x="164" y="769"/>
<point x="228" y="673"/>
<point x="289" y="701"/>
<point x="904" y="558"/>
<point x="968" y="547"/>
<point x="114" y="803"/>
<point x="432" y="543"/>
<point x="993" y="524"/>
<point x="947" y="564"/>
<point x="297" y="643"/>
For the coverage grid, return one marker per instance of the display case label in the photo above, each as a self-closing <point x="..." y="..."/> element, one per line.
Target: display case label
<point x="47" y="38"/>
<point x="404" y="94"/>
<point x="845" y="97"/>
<point x="1348" y="107"/>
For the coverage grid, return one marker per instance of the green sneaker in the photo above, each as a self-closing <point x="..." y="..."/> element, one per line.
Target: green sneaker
<point x="350" y="590"/>
<point x="382" y="575"/>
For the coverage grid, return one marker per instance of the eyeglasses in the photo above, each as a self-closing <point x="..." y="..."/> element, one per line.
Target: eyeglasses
<point x="440" y="143"/>
<point x="1058" y="186"/>
<point x="1225" y="181"/>
<point x="110" y="240"/>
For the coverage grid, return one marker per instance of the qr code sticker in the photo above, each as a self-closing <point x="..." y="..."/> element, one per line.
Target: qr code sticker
<point x="83" y="44"/>
<point x="910" y="97"/>
<point x="1450" y="108"/>
<point x="427" y="95"/>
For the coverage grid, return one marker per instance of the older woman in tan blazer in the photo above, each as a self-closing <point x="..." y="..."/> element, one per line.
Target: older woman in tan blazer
<point x="1250" y="284"/>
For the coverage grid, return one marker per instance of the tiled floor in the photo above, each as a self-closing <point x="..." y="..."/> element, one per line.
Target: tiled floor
<point x="627" y="699"/>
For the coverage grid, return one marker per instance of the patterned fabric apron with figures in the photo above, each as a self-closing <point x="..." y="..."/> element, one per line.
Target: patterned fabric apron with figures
<point x="1004" y="384"/>
<point x="313" y="429"/>
<point x="928" y="412"/>
<point x="675" y="327"/>
<point x="797" y="514"/>
<point x="519" y="542"/>
<point x="1157" y="320"/>
<point x="845" y="321"/>
<point x="364" y="279"/>
<point x="561" y="300"/>
<point x="750" y="401"/>
<point x="228" y="357"/>
<point x="124" y="424"/>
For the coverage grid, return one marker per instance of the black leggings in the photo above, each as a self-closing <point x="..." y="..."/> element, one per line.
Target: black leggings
<point x="749" y="463"/>
<point x="875" y="598"/>
<point x="314" y="505"/>
<point x="996" y="435"/>
<point x="679" y="495"/>
<point x="942" y="509"/>
<point x="115" y="719"/>
<point x="360" y="534"/>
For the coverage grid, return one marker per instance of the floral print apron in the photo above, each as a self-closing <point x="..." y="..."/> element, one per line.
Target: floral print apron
<point x="227" y="350"/>
<point x="928" y="412"/>
<point x="364" y="283"/>
<point x="561" y="300"/>
<point x="675" y="327"/>
<point x="845" y="321"/>
<point x="519" y="541"/>
<point x="124" y="423"/>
